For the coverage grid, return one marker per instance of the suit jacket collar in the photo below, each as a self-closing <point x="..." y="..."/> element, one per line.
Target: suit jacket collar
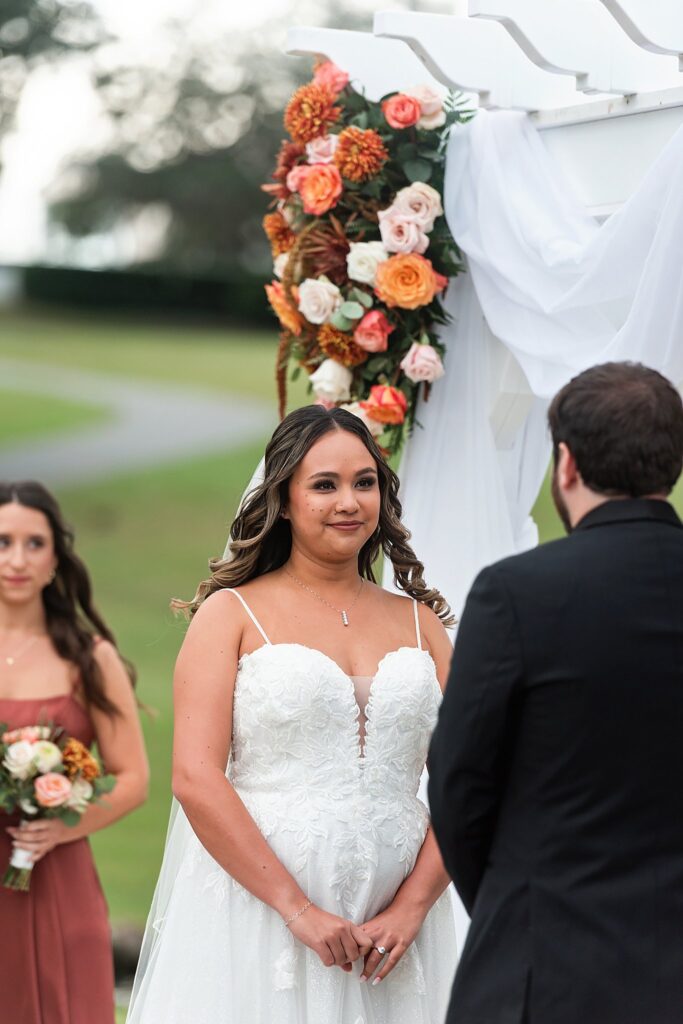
<point x="622" y="510"/>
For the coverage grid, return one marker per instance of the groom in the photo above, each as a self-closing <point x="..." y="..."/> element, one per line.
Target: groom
<point x="556" y="769"/>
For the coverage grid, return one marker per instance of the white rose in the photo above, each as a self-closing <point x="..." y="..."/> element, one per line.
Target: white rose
<point x="421" y="202"/>
<point x="363" y="259"/>
<point x="318" y="299"/>
<point x="18" y="760"/>
<point x="28" y="808"/>
<point x="431" y="105"/>
<point x="332" y="381"/>
<point x="280" y="265"/>
<point x="373" y="426"/>
<point x="46" y="756"/>
<point x="322" y="149"/>
<point x="79" y="798"/>
<point x="400" y="233"/>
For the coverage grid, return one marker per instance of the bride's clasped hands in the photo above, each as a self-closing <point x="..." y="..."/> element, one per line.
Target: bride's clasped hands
<point x="305" y="698"/>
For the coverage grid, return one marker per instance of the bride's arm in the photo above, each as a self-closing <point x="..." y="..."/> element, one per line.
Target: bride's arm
<point x="397" y="926"/>
<point x="203" y="697"/>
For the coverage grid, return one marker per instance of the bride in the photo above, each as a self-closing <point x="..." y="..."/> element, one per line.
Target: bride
<point x="302" y="884"/>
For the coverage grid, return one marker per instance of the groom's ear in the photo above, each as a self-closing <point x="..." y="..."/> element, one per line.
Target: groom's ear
<point x="567" y="472"/>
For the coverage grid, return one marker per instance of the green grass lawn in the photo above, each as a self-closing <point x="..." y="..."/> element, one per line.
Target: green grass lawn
<point x="147" y="536"/>
<point x="24" y="417"/>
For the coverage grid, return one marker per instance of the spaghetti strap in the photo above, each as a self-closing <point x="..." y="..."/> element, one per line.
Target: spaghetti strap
<point x="417" y="625"/>
<point x="249" y="613"/>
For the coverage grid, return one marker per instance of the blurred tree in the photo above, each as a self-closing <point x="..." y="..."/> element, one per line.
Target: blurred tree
<point x="196" y="132"/>
<point x="37" y="30"/>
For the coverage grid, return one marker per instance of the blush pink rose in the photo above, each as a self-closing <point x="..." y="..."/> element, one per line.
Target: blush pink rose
<point x="422" y="363"/>
<point x="52" y="790"/>
<point x="328" y="74"/>
<point x="372" y="333"/>
<point x="322" y="149"/>
<point x="402" y="111"/>
<point x="401" y="233"/>
<point x="296" y="177"/>
<point x="431" y="104"/>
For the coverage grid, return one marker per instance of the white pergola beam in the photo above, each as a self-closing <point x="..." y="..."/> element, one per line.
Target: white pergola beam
<point x="378" y="66"/>
<point x="656" y="25"/>
<point x="581" y="38"/>
<point x="477" y="56"/>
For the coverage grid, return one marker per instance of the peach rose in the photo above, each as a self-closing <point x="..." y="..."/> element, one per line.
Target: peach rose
<point x="422" y="363"/>
<point x="331" y="76"/>
<point x="402" y="111"/>
<point x="386" y="404"/>
<point x="52" y="790"/>
<point x="322" y="149"/>
<point x="296" y="177"/>
<point x="373" y="331"/>
<point x="408" y="281"/>
<point x="400" y="233"/>
<point x="320" y="188"/>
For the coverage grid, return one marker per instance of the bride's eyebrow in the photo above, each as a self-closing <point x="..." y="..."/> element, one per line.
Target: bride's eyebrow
<point x="335" y="476"/>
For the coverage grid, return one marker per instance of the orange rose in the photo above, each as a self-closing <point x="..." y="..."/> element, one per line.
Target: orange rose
<point x="52" y="790"/>
<point x="408" y="281"/>
<point x="402" y="111"/>
<point x="386" y="404"/>
<point x="320" y="187"/>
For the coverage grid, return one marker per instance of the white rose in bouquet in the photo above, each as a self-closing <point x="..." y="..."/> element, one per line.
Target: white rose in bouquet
<point x="80" y="796"/>
<point x="373" y="426"/>
<point x="280" y="265"/>
<point x="332" y="381"/>
<point x="318" y="299"/>
<point x="19" y="761"/>
<point x="363" y="259"/>
<point x="46" y="756"/>
<point x="431" y="105"/>
<point x="322" y="149"/>
<point x="28" y="808"/>
<point x="420" y="202"/>
<point x="400" y="233"/>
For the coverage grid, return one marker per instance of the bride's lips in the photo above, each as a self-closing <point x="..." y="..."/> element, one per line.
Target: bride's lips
<point x="346" y="527"/>
<point x="17" y="580"/>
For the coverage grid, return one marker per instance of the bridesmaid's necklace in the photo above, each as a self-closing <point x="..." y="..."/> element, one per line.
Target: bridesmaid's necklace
<point x="11" y="659"/>
<point x="340" y="611"/>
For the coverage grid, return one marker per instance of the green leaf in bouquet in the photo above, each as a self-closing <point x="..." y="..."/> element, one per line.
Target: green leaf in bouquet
<point x="377" y="365"/>
<point x="418" y="170"/>
<point x="406" y="151"/>
<point x="341" y="322"/>
<point x="70" y="818"/>
<point x="373" y="189"/>
<point x="351" y="310"/>
<point x="104" y="784"/>
<point x="362" y="297"/>
<point x="361" y="120"/>
<point x="295" y="374"/>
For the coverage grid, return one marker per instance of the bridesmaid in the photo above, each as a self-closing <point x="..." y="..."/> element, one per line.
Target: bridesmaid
<point x="59" y="664"/>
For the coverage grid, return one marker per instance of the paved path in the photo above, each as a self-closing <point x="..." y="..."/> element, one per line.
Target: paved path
<point x="150" y="424"/>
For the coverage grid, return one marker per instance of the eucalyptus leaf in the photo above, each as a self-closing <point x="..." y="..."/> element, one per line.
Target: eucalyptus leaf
<point x="363" y="298"/>
<point x="70" y="818"/>
<point x="351" y="310"/>
<point x="341" y="322"/>
<point x="418" y="170"/>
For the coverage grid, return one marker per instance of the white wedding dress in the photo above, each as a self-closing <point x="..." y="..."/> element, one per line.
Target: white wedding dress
<point x="337" y="803"/>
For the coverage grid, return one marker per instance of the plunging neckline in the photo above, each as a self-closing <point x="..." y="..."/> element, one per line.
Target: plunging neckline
<point x="362" y="736"/>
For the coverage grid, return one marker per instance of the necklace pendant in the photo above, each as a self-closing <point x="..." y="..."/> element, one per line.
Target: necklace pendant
<point x="344" y="618"/>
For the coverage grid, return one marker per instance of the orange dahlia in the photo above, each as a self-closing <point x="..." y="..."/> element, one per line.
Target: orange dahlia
<point x="340" y="346"/>
<point x="287" y="314"/>
<point x="79" y="761"/>
<point x="310" y="112"/>
<point x="360" y="154"/>
<point x="280" y="235"/>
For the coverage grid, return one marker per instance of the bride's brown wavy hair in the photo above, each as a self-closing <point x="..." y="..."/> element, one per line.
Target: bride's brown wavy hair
<point x="72" y="619"/>
<point x="261" y="540"/>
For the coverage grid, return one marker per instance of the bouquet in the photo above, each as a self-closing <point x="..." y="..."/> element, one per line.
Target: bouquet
<point x="361" y="249"/>
<point x="45" y="774"/>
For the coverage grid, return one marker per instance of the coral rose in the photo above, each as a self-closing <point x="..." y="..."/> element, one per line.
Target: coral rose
<point x="310" y="112"/>
<point x="422" y="363"/>
<point x="372" y="333"/>
<point x="386" y="404"/>
<point x="332" y="77"/>
<point x="408" y="281"/>
<point x="402" y="111"/>
<point x="320" y="188"/>
<point x="286" y="314"/>
<point x="360" y="153"/>
<point x="52" y="790"/>
<point x="296" y="176"/>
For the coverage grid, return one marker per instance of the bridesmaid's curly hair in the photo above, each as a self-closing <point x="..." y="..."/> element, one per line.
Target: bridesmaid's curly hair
<point x="261" y="540"/>
<point x="72" y="620"/>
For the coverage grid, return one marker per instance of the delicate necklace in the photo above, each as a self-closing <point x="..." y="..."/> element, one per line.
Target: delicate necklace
<point x="341" y="611"/>
<point x="10" y="659"/>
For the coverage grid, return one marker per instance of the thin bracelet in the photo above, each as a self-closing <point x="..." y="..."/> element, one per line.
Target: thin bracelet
<point x="303" y="910"/>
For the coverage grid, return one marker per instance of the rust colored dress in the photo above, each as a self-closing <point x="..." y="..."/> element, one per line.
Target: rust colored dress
<point x="56" y="964"/>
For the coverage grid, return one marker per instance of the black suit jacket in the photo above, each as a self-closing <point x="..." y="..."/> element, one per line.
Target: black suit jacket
<point x="556" y="778"/>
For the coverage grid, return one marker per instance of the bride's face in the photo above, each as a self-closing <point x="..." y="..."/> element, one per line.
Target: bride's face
<point x="334" y="498"/>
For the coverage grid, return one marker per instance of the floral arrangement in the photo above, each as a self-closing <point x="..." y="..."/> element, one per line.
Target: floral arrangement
<point x="362" y="253"/>
<point x="45" y="774"/>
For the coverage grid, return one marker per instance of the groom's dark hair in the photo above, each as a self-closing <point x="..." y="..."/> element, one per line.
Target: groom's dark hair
<point x="623" y="423"/>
